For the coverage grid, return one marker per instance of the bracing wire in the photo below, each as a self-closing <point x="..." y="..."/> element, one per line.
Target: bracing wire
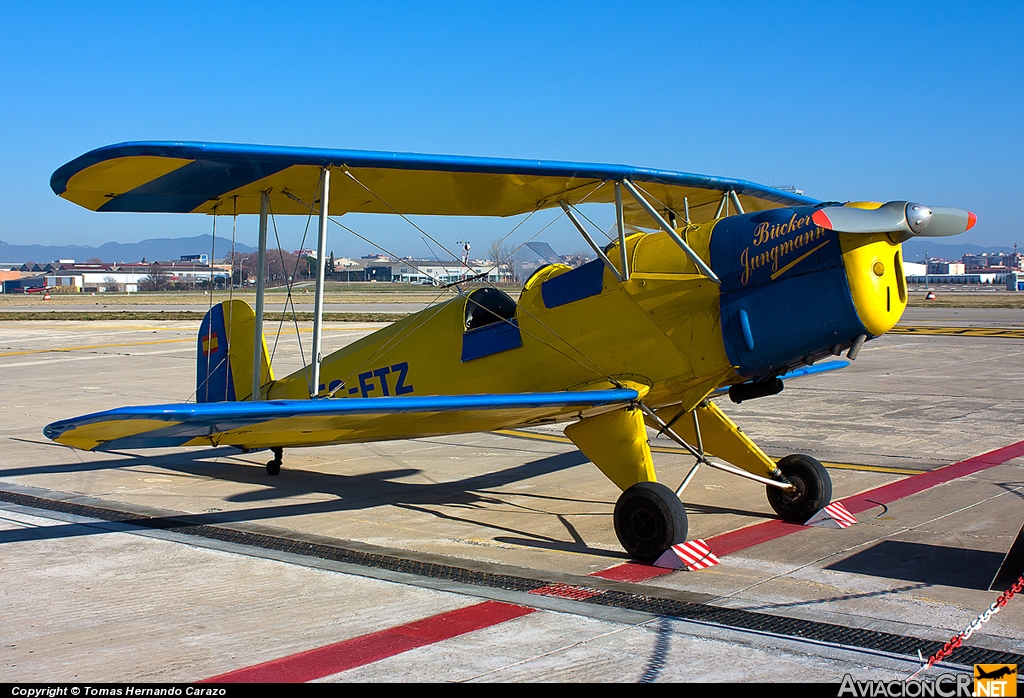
<point x="592" y="367"/>
<point x="231" y="286"/>
<point x="289" y="282"/>
<point x="399" y="213"/>
<point x="209" y="352"/>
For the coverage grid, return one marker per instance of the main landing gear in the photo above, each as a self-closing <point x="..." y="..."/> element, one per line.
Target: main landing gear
<point x="649" y="519"/>
<point x="813" y="488"/>
<point x="274" y="466"/>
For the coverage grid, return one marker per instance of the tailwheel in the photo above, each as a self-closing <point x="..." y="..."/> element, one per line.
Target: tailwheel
<point x="813" y="488"/>
<point x="649" y="519"/>
<point x="274" y="466"/>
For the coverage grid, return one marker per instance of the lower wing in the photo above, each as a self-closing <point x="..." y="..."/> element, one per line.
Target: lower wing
<point x="286" y="423"/>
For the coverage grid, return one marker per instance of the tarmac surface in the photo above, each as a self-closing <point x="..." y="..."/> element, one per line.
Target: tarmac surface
<point x="492" y="557"/>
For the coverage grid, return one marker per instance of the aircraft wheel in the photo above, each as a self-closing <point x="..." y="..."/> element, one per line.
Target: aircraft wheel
<point x="274" y="466"/>
<point x="813" y="488"/>
<point x="649" y="519"/>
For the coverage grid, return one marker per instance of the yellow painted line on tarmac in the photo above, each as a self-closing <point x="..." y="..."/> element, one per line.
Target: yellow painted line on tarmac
<point x="519" y="433"/>
<point x="1004" y="332"/>
<point x="89" y="347"/>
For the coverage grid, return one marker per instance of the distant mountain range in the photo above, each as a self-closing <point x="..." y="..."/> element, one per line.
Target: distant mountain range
<point x="173" y="248"/>
<point x="151" y="250"/>
<point x="914" y="250"/>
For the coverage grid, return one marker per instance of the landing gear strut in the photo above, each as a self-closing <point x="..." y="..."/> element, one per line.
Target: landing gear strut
<point x="274" y="466"/>
<point x="813" y="489"/>
<point x="649" y="519"/>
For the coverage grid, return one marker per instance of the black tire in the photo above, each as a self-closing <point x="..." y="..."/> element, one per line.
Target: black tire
<point x="813" y="489"/>
<point x="649" y="519"/>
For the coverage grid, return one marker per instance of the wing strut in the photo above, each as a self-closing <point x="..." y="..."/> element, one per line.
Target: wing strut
<point x="736" y="201"/>
<point x="694" y="257"/>
<point x="318" y="310"/>
<point x="261" y="266"/>
<point x="590" y="241"/>
<point x="621" y="225"/>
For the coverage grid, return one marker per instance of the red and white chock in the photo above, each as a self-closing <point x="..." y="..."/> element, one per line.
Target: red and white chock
<point x="835" y="515"/>
<point x="693" y="555"/>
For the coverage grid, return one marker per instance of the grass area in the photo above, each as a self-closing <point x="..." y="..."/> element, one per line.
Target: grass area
<point x="370" y="293"/>
<point x="356" y="292"/>
<point x="966" y="299"/>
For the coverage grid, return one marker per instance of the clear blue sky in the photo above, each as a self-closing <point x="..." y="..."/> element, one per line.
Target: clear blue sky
<point x="881" y="101"/>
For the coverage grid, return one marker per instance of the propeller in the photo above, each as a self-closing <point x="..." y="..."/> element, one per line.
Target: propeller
<point x="902" y="217"/>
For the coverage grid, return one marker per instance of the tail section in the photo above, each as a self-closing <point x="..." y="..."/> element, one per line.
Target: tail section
<point x="224" y="354"/>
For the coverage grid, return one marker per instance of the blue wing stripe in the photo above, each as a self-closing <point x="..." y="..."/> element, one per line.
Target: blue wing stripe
<point x="244" y="413"/>
<point x="234" y="165"/>
<point x="798" y="373"/>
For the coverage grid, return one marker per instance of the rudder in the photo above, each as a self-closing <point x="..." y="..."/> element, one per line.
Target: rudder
<point x="224" y="354"/>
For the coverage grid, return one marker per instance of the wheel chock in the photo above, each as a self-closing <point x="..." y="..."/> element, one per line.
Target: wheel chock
<point x="693" y="555"/>
<point x="835" y="515"/>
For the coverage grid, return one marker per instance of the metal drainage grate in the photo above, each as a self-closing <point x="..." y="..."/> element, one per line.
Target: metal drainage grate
<point x="683" y="610"/>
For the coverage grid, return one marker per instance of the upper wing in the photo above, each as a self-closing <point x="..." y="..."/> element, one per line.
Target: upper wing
<point x="207" y="177"/>
<point x="280" y="423"/>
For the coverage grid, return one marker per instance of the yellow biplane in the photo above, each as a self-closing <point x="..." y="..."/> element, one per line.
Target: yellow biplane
<point x="712" y="285"/>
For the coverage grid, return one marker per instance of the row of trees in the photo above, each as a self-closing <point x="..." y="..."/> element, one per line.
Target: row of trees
<point x="280" y="267"/>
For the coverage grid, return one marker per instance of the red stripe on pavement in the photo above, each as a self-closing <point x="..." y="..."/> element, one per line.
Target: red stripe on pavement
<point x="331" y="659"/>
<point x="631" y="572"/>
<point x="770" y="530"/>
<point x="918" y="483"/>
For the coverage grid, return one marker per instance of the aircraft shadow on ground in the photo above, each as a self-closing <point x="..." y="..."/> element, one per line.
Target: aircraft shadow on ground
<point x="834" y="599"/>
<point x="353" y="492"/>
<point x="922" y="562"/>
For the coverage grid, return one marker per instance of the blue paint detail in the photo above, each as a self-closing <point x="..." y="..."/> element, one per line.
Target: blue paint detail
<point x="364" y="387"/>
<point x="582" y="282"/>
<point x="204" y="419"/>
<point x="379" y="374"/>
<point x="748" y="336"/>
<point x="746" y="251"/>
<point x="797" y="373"/>
<point x="403" y="370"/>
<point x="783" y="283"/>
<point x="792" y="318"/>
<point x="353" y="391"/>
<point x="213" y="371"/>
<point x="816" y="368"/>
<point x="190" y="186"/>
<point x="491" y="339"/>
<point x="223" y="167"/>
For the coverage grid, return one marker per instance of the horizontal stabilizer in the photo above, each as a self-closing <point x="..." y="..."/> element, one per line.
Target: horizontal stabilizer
<point x="281" y="423"/>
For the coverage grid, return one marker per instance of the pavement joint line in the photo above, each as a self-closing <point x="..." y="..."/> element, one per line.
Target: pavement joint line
<point x="655" y="602"/>
<point x="358" y="651"/>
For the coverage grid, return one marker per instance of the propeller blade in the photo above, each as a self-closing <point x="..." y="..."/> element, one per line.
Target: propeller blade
<point x="949" y="221"/>
<point x="902" y="217"/>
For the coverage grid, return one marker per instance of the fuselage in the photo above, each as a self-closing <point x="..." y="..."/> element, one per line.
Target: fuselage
<point x="791" y="292"/>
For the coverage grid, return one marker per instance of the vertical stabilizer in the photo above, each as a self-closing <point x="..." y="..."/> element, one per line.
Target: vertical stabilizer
<point x="224" y="354"/>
